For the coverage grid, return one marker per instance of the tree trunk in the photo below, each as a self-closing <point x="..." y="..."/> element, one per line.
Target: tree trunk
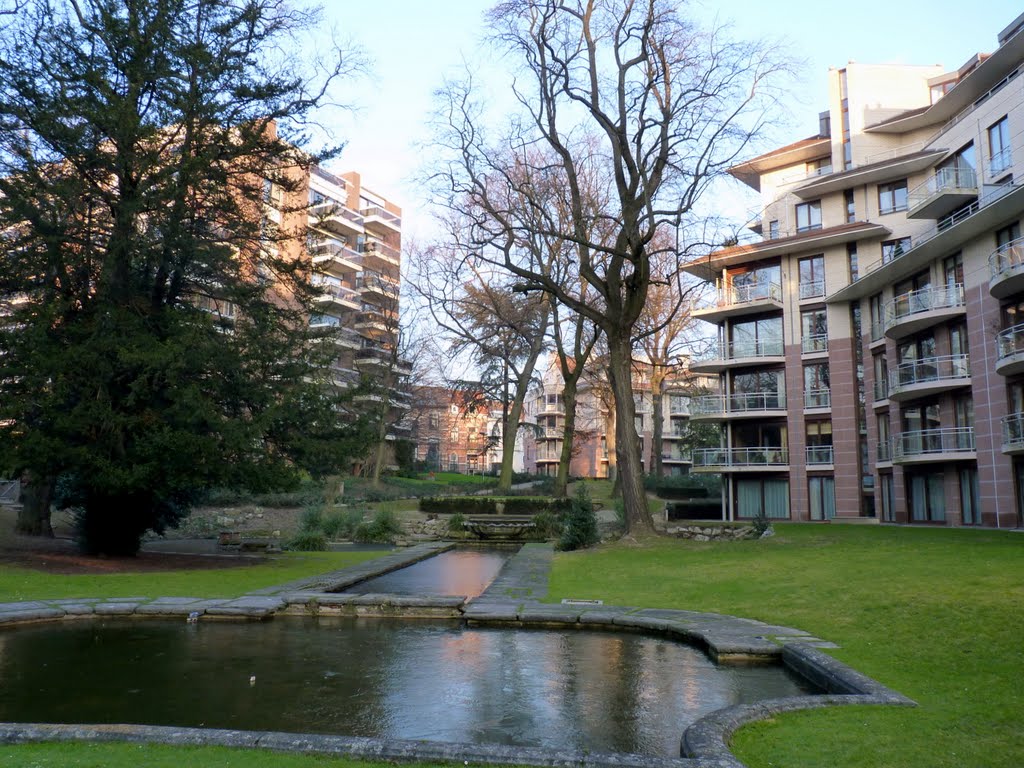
<point x="36" y="498"/>
<point x="568" y="434"/>
<point x="382" y="445"/>
<point x="658" y="418"/>
<point x="627" y="441"/>
<point x="508" y="441"/>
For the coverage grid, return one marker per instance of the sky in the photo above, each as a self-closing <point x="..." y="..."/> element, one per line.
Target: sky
<point x="413" y="45"/>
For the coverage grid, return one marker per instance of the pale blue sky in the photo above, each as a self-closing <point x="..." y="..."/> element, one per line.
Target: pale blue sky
<point x="413" y="44"/>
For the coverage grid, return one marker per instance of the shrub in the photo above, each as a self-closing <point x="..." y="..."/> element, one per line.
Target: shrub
<point x="341" y="525"/>
<point x="382" y="529"/>
<point x="529" y="505"/>
<point x="312" y="519"/>
<point x="457" y="523"/>
<point x="580" y="523"/>
<point x="695" y="509"/>
<point x="548" y="524"/>
<point x="308" y="541"/>
<point x="465" y="505"/>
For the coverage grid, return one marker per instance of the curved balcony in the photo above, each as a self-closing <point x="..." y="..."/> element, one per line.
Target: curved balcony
<point x="924" y="446"/>
<point x="738" y="405"/>
<point x="947" y="190"/>
<point x="1006" y="267"/>
<point x="1010" y="351"/>
<point x="929" y="376"/>
<point x="740" y="459"/>
<point x="737" y="300"/>
<point x="915" y="311"/>
<point x="1013" y="433"/>
<point x="739" y="353"/>
<point x="819" y="455"/>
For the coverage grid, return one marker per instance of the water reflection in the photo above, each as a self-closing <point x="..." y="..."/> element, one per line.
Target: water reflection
<point x="437" y="681"/>
<point x="466" y="572"/>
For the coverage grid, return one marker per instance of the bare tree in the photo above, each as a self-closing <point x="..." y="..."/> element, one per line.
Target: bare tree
<point x="628" y="97"/>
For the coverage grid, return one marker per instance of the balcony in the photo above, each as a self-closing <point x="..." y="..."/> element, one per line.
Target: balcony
<point x="740" y="459"/>
<point x="738" y="300"/>
<point x="329" y="254"/>
<point x="391" y="257"/>
<point x="929" y="376"/>
<point x="677" y="456"/>
<point x="374" y="357"/>
<point x="1010" y="351"/>
<point x="737" y="353"/>
<point x="342" y="377"/>
<point x="814" y="344"/>
<point x="915" y="311"/>
<point x="335" y="217"/>
<point x="738" y="405"/>
<point x="816" y="399"/>
<point x="334" y="294"/>
<point x="381" y="220"/>
<point x="949" y="189"/>
<point x="812" y="289"/>
<point x="678" y="406"/>
<point x="329" y="327"/>
<point x="376" y="285"/>
<point x="933" y="445"/>
<point x="1006" y="267"/>
<point x="551" y="405"/>
<point x="373" y="323"/>
<point x="819" y="455"/>
<point x="1013" y="433"/>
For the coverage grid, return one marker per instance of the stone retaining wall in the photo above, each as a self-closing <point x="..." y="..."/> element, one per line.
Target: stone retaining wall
<point x="699" y="532"/>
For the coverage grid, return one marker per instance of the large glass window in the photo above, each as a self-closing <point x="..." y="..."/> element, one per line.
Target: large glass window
<point x="808" y="216"/>
<point x="969" y="507"/>
<point x="768" y="497"/>
<point x="893" y="249"/>
<point x="882" y="425"/>
<point x="958" y="171"/>
<point x="953" y="270"/>
<point x="999" y="146"/>
<point x="926" y="497"/>
<point x="1005" y="237"/>
<point x="816" y="386"/>
<point x="877" y="324"/>
<point x="819" y="442"/>
<point x="814" y="330"/>
<point x="851" y="258"/>
<point x="757" y="338"/>
<point x="822" y="495"/>
<point x="888" y="499"/>
<point x="881" y="369"/>
<point x="851" y="210"/>
<point x="892" y="197"/>
<point x="812" y="277"/>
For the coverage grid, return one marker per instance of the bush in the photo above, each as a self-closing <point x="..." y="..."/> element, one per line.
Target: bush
<point x="548" y="524"/>
<point x="308" y="541"/>
<point x="695" y="509"/>
<point x="312" y="519"/>
<point x="530" y="505"/>
<point x="487" y="505"/>
<point x="580" y="523"/>
<point x="382" y="529"/>
<point x="456" y="523"/>
<point x="341" y="525"/>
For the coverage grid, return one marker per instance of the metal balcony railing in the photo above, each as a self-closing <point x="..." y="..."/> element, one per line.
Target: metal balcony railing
<point x="1010" y="342"/>
<point x="928" y="369"/>
<point x="1000" y="161"/>
<point x="336" y="290"/>
<point x="945" y="180"/>
<point x="819" y="454"/>
<point x="746" y="349"/>
<point x="881" y="390"/>
<point x="376" y="211"/>
<point x="1007" y="260"/>
<point x="924" y="300"/>
<point x="883" y="451"/>
<point x="924" y="442"/>
<point x="816" y="343"/>
<point x="386" y="252"/>
<point x="1013" y="430"/>
<point x="741" y="457"/>
<point x="812" y="289"/>
<point x="743" y="402"/>
<point x="818" y="398"/>
<point x="730" y="295"/>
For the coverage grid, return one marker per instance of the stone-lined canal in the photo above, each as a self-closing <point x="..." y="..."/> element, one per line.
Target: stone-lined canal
<point x="465" y="571"/>
<point x="574" y="689"/>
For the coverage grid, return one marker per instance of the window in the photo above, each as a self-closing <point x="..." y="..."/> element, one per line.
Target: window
<point x="875" y="307"/>
<point x="819" y="167"/>
<point x="453" y="435"/>
<point x="758" y="390"/>
<point x="808" y="216"/>
<point x="888" y="499"/>
<point x="893" y="249"/>
<point x="453" y="462"/>
<point x="882" y="422"/>
<point x="953" y="270"/>
<point x="756" y="497"/>
<point x="969" y="508"/>
<point x="851" y="259"/>
<point x="881" y="369"/>
<point x="851" y="211"/>
<point x="926" y="497"/>
<point x="814" y="331"/>
<point x="819" y="442"/>
<point x="822" y="492"/>
<point x="757" y="338"/>
<point x="816" y="386"/>
<point x="433" y="420"/>
<point x="999" y="147"/>
<point x="1005" y="239"/>
<point x="892" y="197"/>
<point x="958" y="172"/>
<point x="812" y="277"/>
<point x="844" y="105"/>
<point x="773" y="229"/>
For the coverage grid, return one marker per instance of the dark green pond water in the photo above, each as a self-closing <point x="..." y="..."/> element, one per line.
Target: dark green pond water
<point x="467" y="572"/>
<point x="392" y="679"/>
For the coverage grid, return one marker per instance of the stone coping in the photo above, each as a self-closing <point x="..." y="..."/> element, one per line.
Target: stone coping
<point x="511" y="600"/>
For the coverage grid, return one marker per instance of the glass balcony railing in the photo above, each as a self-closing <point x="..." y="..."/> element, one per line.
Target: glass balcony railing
<point x="1010" y="342"/>
<point x="1000" y="162"/>
<point x="819" y="454"/>
<point x="944" y="181"/>
<point x="742" y="402"/>
<point x="818" y="398"/>
<point x="745" y="349"/>
<point x="741" y="457"/>
<point x="883" y="451"/>
<point x="1013" y="431"/>
<point x="816" y="343"/>
<point x="732" y="295"/>
<point x="881" y="390"/>
<point x="1007" y="260"/>
<point x="929" y="442"/>
<point x="949" y="368"/>
<point x="912" y="303"/>
<point x="812" y="289"/>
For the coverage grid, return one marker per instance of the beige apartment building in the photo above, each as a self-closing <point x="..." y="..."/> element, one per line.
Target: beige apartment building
<point x="870" y="354"/>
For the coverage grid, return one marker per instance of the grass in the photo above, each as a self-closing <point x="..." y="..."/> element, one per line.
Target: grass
<point x="936" y="614"/>
<point x="29" y="584"/>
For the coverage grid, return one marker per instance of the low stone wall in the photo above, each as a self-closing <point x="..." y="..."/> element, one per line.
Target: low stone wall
<point x="706" y="532"/>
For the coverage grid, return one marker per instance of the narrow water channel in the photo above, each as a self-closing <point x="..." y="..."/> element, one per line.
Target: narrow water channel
<point x="443" y="682"/>
<point x="463" y="571"/>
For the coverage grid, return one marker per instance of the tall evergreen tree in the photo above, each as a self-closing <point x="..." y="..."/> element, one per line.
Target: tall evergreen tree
<point x="155" y="338"/>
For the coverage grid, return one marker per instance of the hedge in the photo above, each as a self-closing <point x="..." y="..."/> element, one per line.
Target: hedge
<point x="695" y="509"/>
<point x="488" y="505"/>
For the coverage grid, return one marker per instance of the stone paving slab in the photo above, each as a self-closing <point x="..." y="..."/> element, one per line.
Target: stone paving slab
<point x="523" y="577"/>
<point x="252" y="606"/>
<point x="115" y="609"/>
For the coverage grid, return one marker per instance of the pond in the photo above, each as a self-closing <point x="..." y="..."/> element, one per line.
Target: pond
<point x="464" y="571"/>
<point x="574" y="689"/>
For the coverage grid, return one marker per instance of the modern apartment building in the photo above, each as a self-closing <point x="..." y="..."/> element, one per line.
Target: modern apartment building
<point x="870" y="354"/>
<point x="595" y="422"/>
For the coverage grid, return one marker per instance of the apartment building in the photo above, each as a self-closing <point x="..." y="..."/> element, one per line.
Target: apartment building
<point x="593" y="454"/>
<point x="455" y="431"/>
<point x="870" y="354"/>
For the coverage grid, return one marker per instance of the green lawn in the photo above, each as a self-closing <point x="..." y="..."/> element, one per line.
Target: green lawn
<point x="26" y="584"/>
<point x="936" y="614"/>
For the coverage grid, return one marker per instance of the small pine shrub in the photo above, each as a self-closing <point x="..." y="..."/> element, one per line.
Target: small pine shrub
<point x="308" y="541"/>
<point x="580" y="529"/>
